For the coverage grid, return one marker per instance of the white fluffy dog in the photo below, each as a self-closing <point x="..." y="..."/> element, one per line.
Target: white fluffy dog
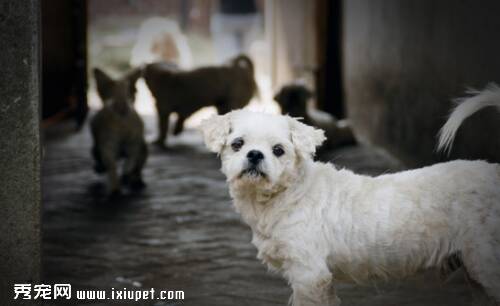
<point x="161" y="39"/>
<point x="319" y="225"/>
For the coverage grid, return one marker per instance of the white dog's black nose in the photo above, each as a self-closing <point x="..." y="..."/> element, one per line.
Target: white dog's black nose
<point x="255" y="156"/>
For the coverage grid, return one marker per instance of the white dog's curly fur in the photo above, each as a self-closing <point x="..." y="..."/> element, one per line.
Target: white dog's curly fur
<point x="318" y="225"/>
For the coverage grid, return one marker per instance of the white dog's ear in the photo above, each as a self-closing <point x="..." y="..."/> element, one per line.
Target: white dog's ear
<point x="215" y="131"/>
<point x="305" y="138"/>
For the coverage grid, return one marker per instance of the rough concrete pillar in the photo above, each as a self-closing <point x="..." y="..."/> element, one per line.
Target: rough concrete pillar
<point x="19" y="147"/>
<point x="403" y="63"/>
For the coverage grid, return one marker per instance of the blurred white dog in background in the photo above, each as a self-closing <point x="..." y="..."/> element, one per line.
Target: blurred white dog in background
<point x="161" y="40"/>
<point x="318" y="225"/>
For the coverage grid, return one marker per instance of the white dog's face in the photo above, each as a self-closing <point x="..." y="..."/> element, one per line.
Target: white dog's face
<point x="260" y="150"/>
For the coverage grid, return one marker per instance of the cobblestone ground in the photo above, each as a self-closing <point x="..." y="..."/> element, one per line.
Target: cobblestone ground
<point x="182" y="233"/>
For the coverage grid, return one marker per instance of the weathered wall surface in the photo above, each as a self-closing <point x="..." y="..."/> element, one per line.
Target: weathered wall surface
<point x="404" y="61"/>
<point x="19" y="147"/>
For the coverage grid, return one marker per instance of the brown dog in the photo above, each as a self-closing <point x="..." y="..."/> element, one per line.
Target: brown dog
<point x="293" y="100"/>
<point x="226" y="87"/>
<point x="118" y="131"/>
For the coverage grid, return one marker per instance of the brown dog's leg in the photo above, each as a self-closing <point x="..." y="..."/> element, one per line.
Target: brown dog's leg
<point x="98" y="165"/>
<point x="133" y="166"/>
<point x="163" y="119"/>
<point x="108" y="160"/>
<point x="222" y="107"/>
<point x="179" y="125"/>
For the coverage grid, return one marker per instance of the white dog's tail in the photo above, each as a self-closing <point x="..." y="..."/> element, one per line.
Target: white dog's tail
<point x="466" y="106"/>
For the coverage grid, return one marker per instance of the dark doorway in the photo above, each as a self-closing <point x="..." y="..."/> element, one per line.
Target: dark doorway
<point x="329" y="74"/>
<point x="64" y="61"/>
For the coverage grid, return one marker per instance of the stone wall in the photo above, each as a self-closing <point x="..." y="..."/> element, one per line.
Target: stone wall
<point x="404" y="61"/>
<point x="19" y="147"/>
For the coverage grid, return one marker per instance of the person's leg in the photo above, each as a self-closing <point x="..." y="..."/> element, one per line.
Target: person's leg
<point x="252" y="28"/>
<point x="223" y="29"/>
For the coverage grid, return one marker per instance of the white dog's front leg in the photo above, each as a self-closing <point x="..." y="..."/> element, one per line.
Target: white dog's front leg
<point x="312" y="286"/>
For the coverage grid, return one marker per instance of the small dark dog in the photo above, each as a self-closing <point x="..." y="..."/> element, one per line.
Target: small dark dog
<point x="293" y="100"/>
<point x="226" y="87"/>
<point x="118" y="131"/>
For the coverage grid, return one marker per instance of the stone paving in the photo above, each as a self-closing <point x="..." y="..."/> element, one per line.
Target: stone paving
<point x="182" y="233"/>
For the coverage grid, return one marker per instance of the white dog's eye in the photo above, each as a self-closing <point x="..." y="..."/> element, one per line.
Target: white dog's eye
<point x="237" y="144"/>
<point x="278" y="150"/>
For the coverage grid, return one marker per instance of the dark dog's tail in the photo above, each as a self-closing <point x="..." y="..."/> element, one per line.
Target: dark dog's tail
<point x="244" y="62"/>
<point x="490" y="96"/>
